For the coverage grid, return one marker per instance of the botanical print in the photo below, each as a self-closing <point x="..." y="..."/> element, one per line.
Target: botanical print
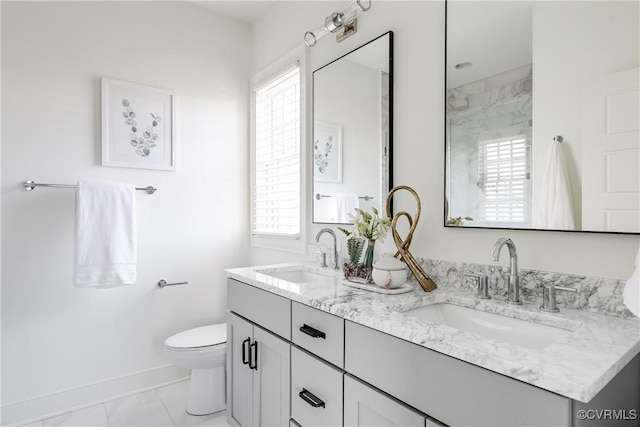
<point x="327" y="152"/>
<point x="142" y="144"/>
<point x="322" y="159"/>
<point x="138" y="129"/>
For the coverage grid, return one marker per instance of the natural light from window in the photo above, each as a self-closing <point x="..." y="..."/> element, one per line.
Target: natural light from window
<point x="276" y="198"/>
<point x="504" y="180"/>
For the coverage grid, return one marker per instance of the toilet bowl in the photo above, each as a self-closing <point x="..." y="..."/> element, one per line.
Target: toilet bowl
<point x="203" y="350"/>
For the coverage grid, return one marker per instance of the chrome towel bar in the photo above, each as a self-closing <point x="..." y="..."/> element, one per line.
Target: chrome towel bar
<point x="162" y="283"/>
<point x="366" y="198"/>
<point x="30" y="185"/>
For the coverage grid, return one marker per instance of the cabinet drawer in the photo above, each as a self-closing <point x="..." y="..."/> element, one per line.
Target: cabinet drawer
<point x="427" y="380"/>
<point x="268" y="310"/>
<point x="316" y="391"/>
<point x="365" y="407"/>
<point x="319" y="332"/>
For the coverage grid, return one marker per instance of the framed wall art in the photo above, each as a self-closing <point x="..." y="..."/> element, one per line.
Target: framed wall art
<point x="138" y="126"/>
<point x="327" y="152"/>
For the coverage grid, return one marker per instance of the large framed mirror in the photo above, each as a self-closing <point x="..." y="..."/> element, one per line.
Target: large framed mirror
<point x="542" y="116"/>
<point x="353" y="132"/>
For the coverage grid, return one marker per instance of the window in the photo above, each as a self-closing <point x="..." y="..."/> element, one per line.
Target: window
<point x="504" y="180"/>
<point x="276" y="201"/>
<point x="277" y="126"/>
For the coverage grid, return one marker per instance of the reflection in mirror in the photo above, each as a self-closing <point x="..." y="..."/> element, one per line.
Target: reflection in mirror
<point x="352" y="134"/>
<point x="542" y="115"/>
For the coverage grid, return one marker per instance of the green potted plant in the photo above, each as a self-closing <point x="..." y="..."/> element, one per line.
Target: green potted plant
<point x="367" y="228"/>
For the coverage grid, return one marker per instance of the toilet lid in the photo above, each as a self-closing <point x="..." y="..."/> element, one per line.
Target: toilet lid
<point x="203" y="336"/>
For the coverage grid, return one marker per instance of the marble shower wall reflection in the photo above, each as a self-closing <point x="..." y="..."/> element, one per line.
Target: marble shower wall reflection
<point x="491" y="109"/>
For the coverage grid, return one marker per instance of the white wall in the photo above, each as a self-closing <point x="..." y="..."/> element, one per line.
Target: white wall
<point x="56" y="336"/>
<point x="419" y="138"/>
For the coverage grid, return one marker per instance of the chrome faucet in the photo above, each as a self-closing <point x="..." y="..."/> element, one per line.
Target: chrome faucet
<point x="335" y="246"/>
<point x="513" y="285"/>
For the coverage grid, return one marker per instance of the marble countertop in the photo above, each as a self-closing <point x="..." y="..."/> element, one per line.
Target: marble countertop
<point x="577" y="366"/>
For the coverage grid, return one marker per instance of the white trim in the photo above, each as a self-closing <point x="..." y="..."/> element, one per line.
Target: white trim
<point x="297" y="57"/>
<point x="73" y="399"/>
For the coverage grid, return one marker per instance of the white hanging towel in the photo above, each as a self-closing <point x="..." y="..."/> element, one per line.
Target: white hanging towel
<point x="105" y="234"/>
<point x="343" y="204"/>
<point x="631" y="293"/>
<point x="555" y="207"/>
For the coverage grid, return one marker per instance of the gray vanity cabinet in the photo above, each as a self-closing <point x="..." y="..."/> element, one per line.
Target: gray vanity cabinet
<point x="452" y="391"/>
<point x="367" y="407"/>
<point x="322" y="393"/>
<point x="290" y="364"/>
<point x="258" y="361"/>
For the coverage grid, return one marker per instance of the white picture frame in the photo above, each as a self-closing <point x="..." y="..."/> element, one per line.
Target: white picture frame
<point x="327" y="152"/>
<point x="138" y="126"/>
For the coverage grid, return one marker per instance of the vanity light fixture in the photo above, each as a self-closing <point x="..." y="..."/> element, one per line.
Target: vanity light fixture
<point x="343" y="23"/>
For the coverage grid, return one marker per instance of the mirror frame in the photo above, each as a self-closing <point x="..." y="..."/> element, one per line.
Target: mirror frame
<point x="446" y="166"/>
<point x="389" y="153"/>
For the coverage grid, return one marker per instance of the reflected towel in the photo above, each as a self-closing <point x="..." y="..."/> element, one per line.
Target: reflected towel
<point x="631" y="292"/>
<point x="341" y="205"/>
<point x="555" y="207"/>
<point x="105" y="234"/>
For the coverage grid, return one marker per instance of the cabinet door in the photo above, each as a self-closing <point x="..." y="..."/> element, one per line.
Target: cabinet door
<point x="240" y="376"/>
<point x="366" y="407"/>
<point x="271" y="383"/>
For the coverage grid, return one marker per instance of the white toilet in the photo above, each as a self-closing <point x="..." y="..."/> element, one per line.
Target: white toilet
<point x="203" y="350"/>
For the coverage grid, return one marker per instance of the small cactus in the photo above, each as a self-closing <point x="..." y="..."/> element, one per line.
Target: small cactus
<point x="354" y="248"/>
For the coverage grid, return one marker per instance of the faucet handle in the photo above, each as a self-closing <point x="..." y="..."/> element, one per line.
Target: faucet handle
<point x="482" y="285"/>
<point x="549" y="297"/>
<point x="323" y="258"/>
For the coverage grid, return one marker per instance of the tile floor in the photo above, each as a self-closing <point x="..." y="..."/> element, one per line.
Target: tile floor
<point x="164" y="406"/>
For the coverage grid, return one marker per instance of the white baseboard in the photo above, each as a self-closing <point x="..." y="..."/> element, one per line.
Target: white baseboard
<point x="61" y="402"/>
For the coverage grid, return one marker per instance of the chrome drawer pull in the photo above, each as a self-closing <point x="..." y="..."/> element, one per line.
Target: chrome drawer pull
<point x="312" y="332"/>
<point x="311" y="399"/>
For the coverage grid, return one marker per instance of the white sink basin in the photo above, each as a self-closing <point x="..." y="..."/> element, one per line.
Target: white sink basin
<point x="489" y="325"/>
<point x="296" y="274"/>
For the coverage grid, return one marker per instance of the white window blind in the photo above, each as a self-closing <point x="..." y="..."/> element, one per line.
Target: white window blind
<point x="504" y="179"/>
<point x="276" y="198"/>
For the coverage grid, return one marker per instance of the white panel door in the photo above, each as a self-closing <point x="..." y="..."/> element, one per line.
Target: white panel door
<point x="611" y="153"/>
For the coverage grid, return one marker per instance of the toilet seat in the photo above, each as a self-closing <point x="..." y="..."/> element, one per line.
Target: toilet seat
<point x="204" y="336"/>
